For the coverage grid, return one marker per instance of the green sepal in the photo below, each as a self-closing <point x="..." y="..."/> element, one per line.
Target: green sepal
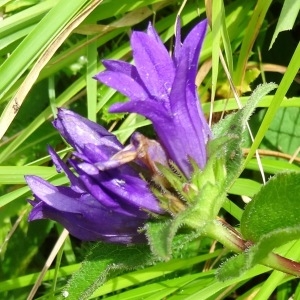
<point x="160" y="237"/>
<point x="175" y="179"/>
<point x="233" y="127"/>
<point x="163" y="236"/>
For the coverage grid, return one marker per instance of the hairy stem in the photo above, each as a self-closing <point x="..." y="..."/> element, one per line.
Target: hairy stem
<point x="231" y="239"/>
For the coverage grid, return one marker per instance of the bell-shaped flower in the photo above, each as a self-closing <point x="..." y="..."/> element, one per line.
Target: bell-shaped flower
<point x="109" y="204"/>
<point x="162" y="88"/>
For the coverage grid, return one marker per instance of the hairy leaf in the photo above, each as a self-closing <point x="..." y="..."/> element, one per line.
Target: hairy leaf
<point x="103" y="262"/>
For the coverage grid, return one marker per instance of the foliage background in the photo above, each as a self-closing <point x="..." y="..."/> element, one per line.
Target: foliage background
<point x="49" y="51"/>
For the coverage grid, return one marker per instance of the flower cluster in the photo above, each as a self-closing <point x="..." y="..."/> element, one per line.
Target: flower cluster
<point x="107" y="199"/>
<point x="99" y="205"/>
<point x="162" y="88"/>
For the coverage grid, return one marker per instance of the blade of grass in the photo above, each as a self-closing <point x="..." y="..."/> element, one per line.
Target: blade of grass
<point x="91" y="83"/>
<point x="25" y="18"/>
<point x="59" y="243"/>
<point x="37" y="41"/>
<point x="12" y="108"/>
<point x="216" y="36"/>
<point x="283" y="87"/>
<point x="250" y="35"/>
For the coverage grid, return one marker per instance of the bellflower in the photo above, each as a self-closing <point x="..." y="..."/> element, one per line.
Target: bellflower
<point x="162" y="88"/>
<point x="108" y="205"/>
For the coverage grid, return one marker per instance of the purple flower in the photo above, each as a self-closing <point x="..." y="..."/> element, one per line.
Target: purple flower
<point x="162" y="88"/>
<point x="109" y="204"/>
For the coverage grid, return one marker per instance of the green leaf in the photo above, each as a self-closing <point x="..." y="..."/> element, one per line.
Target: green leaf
<point x="275" y="207"/>
<point x="234" y="267"/>
<point x="157" y="272"/>
<point x="287" y="18"/>
<point x="270" y="220"/>
<point x="103" y="262"/>
<point x="165" y="241"/>
<point x="282" y="134"/>
<point x="227" y="125"/>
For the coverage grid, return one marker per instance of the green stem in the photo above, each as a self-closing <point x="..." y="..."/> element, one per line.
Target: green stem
<point x="226" y="235"/>
<point x="282" y="264"/>
<point x="231" y="239"/>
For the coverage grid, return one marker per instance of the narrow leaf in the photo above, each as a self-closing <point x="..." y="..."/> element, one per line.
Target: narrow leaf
<point x="287" y="18"/>
<point x="103" y="262"/>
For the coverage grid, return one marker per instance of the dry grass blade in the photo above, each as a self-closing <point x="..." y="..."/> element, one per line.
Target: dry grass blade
<point x="48" y="263"/>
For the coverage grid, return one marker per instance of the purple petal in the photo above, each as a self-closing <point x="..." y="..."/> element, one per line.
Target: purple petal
<point x="191" y="47"/>
<point x="124" y="84"/>
<point x="79" y="131"/>
<point x="151" y="32"/>
<point x="63" y="200"/>
<point x="153" y="64"/>
<point x="177" y="46"/>
<point x="173" y="105"/>
<point x="124" y="68"/>
<point x="133" y="191"/>
<point x="111" y="202"/>
<point x="83" y="216"/>
<point x="186" y="123"/>
<point x="149" y="108"/>
<point x="61" y="166"/>
<point x="100" y="225"/>
<point x="126" y="188"/>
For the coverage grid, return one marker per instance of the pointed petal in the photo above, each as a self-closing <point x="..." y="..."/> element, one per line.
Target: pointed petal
<point x="177" y="46"/>
<point x="79" y="131"/>
<point x="123" y="67"/>
<point x="151" y="109"/>
<point x="131" y="191"/>
<point x="50" y="195"/>
<point x="151" y="32"/>
<point x="187" y="117"/>
<point x="191" y="47"/>
<point x="83" y="216"/>
<point x="61" y="166"/>
<point x="124" y="84"/>
<point x="110" y="203"/>
<point x="153" y="63"/>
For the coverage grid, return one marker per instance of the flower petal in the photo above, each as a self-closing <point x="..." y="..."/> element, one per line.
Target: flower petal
<point x="110" y="201"/>
<point x="79" y="131"/>
<point x="177" y="45"/>
<point x="130" y="192"/>
<point x="61" y="166"/>
<point x="124" y="84"/>
<point x="186" y="123"/>
<point x="191" y="47"/>
<point x="154" y="111"/>
<point x="124" y="68"/>
<point x="153" y="64"/>
<point x="83" y="216"/>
